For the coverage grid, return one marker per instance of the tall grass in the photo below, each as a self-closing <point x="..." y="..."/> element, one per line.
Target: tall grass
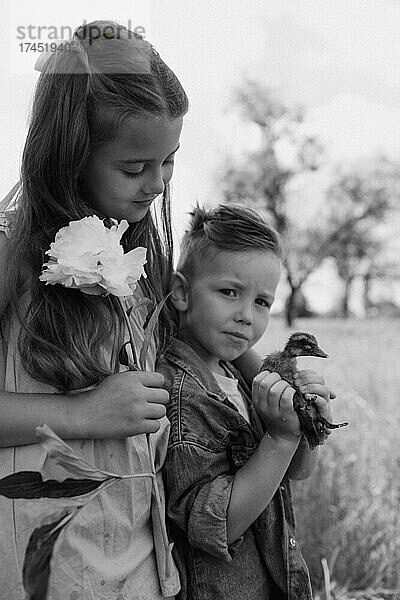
<point x="348" y="511"/>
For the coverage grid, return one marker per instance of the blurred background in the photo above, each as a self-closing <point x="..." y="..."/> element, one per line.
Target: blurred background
<point x="295" y="111"/>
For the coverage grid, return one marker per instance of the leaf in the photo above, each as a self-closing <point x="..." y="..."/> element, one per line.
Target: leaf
<point x="65" y="456"/>
<point x="30" y="484"/>
<point x="141" y="302"/>
<point x="149" y="332"/>
<point x="123" y="355"/>
<point x="36" y="568"/>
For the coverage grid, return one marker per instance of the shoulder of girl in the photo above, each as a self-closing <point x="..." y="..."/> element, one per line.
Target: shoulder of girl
<point x="6" y="221"/>
<point x="3" y="248"/>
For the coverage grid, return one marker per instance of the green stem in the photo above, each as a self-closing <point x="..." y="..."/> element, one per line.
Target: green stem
<point x="135" y="367"/>
<point x="132" y="366"/>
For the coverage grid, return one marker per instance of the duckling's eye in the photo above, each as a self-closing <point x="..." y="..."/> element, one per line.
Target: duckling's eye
<point x="228" y="292"/>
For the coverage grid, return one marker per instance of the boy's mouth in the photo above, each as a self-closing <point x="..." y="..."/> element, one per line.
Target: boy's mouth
<point x="238" y="335"/>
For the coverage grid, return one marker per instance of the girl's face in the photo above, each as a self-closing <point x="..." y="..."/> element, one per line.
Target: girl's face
<point x="123" y="177"/>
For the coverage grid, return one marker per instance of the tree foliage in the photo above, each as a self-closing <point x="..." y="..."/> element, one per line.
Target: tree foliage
<point x="263" y="177"/>
<point x="357" y="202"/>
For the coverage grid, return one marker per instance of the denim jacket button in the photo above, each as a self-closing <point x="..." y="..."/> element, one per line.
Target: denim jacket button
<point x="292" y="542"/>
<point x="282" y="487"/>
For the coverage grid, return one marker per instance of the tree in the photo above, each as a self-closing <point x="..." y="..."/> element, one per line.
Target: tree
<point x="262" y="180"/>
<point x="361" y="198"/>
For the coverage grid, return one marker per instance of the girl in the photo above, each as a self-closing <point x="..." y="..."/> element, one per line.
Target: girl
<point x="105" y="126"/>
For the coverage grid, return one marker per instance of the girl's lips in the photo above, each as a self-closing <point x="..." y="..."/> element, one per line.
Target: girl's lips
<point x="143" y="203"/>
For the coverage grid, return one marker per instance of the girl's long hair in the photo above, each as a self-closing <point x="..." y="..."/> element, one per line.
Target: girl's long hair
<point x="82" y="97"/>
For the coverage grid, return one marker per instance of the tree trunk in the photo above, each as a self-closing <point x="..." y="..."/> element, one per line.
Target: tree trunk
<point x="346" y="297"/>
<point x="290" y="307"/>
<point x="367" y="280"/>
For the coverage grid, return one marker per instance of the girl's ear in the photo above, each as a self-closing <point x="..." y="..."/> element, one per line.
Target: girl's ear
<point x="180" y="292"/>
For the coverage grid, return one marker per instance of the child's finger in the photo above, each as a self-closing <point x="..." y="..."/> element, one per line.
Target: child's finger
<point x="263" y="382"/>
<point x="309" y="377"/>
<point x="315" y="388"/>
<point x="286" y="399"/>
<point x="301" y="372"/>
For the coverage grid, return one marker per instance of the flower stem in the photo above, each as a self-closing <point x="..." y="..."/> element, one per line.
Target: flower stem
<point x="132" y="366"/>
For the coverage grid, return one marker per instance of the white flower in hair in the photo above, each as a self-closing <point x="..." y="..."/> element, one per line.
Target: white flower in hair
<point x="87" y="255"/>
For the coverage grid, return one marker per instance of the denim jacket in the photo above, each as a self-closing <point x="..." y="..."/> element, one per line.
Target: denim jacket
<point x="209" y="441"/>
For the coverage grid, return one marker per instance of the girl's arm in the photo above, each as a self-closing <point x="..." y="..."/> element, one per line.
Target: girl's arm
<point x="138" y="402"/>
<point x="124" y="404"/>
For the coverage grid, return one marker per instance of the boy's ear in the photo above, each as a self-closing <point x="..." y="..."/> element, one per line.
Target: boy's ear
<point x="180" y="291"/>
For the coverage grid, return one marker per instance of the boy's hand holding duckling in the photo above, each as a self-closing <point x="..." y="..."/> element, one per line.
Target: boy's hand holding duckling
<point x="273" y="400"/>
<point x="314" y="415"/>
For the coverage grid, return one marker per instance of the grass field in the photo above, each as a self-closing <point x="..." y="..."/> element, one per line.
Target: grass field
<point x="348" y="512"/>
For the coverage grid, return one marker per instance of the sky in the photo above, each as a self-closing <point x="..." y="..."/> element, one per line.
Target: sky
<point x="339" y="58"/>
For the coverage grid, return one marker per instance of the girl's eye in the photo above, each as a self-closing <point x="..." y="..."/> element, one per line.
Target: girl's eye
<point x="229" y="292"/>
<point x="139" y="173"/>
<point x="128" y="174"/>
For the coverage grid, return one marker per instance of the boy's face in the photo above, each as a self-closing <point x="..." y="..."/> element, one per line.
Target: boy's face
<point x="229" y="301"/>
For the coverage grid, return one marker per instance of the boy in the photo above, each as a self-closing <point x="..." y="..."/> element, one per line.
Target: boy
<point x="227" y="468"/>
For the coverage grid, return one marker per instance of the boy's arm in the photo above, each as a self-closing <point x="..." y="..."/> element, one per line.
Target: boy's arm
<point x="249" y="365"/>
<point x="213" y="506"/>
<point x="304" y="461"/>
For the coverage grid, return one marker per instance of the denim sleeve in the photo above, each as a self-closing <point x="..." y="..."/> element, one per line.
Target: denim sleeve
<point x="199" y="488"/>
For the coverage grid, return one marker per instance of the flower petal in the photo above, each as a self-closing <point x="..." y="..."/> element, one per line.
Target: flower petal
<point x="86" y="253"/>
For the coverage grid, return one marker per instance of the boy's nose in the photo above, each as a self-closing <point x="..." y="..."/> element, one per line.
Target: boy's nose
<point x="245" y="314"/>
<point x="154" y="182"/>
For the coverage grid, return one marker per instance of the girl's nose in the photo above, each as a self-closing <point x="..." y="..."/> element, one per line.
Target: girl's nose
<point x="154" y="182"/>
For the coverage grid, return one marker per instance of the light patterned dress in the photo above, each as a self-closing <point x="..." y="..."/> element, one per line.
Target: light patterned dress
<point x="112" y="549"/>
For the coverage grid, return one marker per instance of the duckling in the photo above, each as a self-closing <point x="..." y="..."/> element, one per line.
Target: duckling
<point x="313" y="424"/>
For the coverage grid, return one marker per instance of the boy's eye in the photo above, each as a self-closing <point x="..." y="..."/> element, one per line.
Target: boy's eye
<point x="263" y="302"/>
<point x="228" y="292"/>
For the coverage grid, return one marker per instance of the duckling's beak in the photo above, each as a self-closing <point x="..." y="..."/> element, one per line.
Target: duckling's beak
<point x="318" y="352"/>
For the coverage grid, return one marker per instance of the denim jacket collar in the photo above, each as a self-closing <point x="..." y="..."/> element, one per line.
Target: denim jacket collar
<point x="195" y="367"/>
<point x="184" y="357"/>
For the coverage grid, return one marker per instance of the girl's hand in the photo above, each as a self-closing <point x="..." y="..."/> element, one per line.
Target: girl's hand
<point x="273" y="399"/>
<point x="123" y="405"/>
<point x="310" y="383"/>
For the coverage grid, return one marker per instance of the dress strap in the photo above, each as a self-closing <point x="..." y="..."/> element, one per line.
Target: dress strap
<point x="7" y="209"/>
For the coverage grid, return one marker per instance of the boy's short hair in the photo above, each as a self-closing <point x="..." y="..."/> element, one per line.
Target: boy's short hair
<point x="227" y="227"/>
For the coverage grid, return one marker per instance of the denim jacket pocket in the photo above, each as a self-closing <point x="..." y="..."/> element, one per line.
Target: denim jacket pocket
<point x="239" y="454"/>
